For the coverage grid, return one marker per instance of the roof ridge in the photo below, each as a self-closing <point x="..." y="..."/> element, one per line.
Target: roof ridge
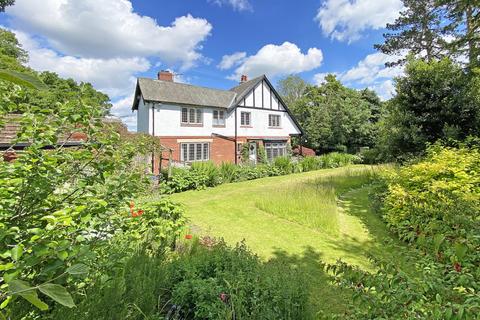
<point x="185" y="84"/>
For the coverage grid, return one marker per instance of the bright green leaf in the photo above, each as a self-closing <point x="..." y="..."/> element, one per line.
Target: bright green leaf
<point x="17" y="252"/>
<point x="57" y="293"/>
<point x="78" y="269"/>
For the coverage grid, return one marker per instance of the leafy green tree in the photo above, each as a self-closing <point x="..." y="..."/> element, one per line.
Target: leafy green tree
<point x="291" y="88"/>
<point x="417" y="30"/>
<point x="435" y="100"/>
<point x="9" y="46"/>
<point x="464" y="26"/>
<point x="337" y="118"/>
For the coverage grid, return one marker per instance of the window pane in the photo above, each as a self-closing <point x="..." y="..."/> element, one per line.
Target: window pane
<point x="248" y="118"/>
<point x="206" y="154"/>
<point x="275" y="152"/>
<point x="184" y="152"/>
<point x="199" y="116"/>
<point x="215" y="114"/>
<point x="242" y="118"/>
<point x="191" y="116"/>
<point x="184" y="115"/>
<point x="198" y="154"/>
<point x="191" y="152"/>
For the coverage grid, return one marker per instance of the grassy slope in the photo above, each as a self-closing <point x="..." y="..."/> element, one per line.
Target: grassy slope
<point x="232" y="211"/>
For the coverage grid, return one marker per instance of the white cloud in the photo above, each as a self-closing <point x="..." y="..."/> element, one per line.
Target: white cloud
<point x="371" y="73"/>
<point x="113" y="76"/>
<point x="345" y="20"/>
<point x="372" y="68"/>
<point x="276" y="60"/>
<point x="238" y="5"/>
<point x="229" y="61"/>
<point x="122" y="108"/>
<point x="110" y="28"/>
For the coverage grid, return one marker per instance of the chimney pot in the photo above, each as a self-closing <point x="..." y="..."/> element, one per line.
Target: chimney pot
<point x="165" y="75"/>
<point x="243" y="78"/>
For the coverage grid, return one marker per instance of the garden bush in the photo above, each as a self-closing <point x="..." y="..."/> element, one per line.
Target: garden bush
<point x="202" y="280"/>
<point x="219" y="282"/>
<point x="206" y="174"/>
<point x="434" y="206"/>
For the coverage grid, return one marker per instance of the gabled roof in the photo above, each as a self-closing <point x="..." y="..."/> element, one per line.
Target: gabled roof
<point x="181" y="93"/>
<point x="153" y="90"/>
<point x="244" y="88"/>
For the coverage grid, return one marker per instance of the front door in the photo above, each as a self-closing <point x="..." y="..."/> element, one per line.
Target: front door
<point x="252" y="152"/>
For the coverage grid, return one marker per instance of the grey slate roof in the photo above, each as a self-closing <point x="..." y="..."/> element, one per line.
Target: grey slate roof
<point x="173" y="92"/>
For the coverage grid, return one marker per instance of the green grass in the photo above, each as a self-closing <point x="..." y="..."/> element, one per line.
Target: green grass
<point x="303" y="219"/>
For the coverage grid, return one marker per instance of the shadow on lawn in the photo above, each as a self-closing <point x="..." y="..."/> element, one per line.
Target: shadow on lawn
<point x="325" y="298"/>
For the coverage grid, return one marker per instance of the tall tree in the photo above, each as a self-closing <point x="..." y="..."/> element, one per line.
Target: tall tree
<point x="435" y="100"/>
<point x="418" y="30"/>
<point x="10" y="47"/>
<point x="464" y="27"/>
<point x="5" y="3"/>
<point x="291" y="88"/>
<point x="336" y="118"/>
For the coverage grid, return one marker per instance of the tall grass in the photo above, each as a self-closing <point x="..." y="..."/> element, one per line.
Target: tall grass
<point x="314" y="204"/>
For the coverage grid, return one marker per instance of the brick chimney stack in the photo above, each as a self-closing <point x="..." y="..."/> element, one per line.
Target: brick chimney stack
<point x="165" y="75"/>
<point x="243" y="78"/>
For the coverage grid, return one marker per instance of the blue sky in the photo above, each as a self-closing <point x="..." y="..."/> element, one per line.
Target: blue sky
<point x="206" y="42"/>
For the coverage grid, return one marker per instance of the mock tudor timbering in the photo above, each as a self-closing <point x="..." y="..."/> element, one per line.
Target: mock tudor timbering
<point x="202" y="124"/>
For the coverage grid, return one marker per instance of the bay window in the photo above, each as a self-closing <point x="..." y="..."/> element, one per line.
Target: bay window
<point x="275" y="149"/>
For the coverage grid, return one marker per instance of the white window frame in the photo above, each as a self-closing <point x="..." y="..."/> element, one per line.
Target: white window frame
<point x="218" y="118"/>
<point x="275" y="149"/>
<point x="194" y="116"/>
<point x="244" y="116"/>
<point x="274" y="121"/>
<point x="194" y="151"/>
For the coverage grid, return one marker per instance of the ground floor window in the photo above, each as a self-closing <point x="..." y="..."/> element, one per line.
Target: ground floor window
<point x="275" y="149"/>
<point x="195" y="152"/>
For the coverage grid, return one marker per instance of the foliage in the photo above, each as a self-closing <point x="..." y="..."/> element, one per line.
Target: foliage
<point x="337" y="118"/>
<point x="262" y="155"/>
<point x="209" y="170"/>
<point x="433" y="205"/>
<point x="57" y="206"/>
<point x="435" y="100"/>
<point x="205" y="174"/>
<point x="219" y="282"/>
<point x="463" y="26"/>
<point x="283" y="164"/>
<point x="9" y="45"/>
<point x="228" y="172"/>
<point x="291" y="88"/>
<point x="418" y="29"/>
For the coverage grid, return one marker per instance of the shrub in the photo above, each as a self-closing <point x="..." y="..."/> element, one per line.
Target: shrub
<point x="283" y="164"/>
<point x="434" y="206"/>
<point x="228" y="172"/>
<point x="219" y="282"/>
<point x="209" y="170"/>
<point x="309" y="164"/>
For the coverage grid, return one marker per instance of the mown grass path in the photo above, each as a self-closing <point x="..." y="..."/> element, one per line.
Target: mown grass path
<point x="232" y="211"/>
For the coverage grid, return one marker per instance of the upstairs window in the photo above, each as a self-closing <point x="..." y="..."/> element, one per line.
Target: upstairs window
<point x="219" y="118"/>
<point x="191" y="152"/>
<point x="192" y="116"/>
<point x="274" y="120"/>
<point x="245" y="119"/>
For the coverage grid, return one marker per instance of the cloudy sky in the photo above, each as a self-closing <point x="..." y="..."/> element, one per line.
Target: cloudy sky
<point x="206" y="42"/>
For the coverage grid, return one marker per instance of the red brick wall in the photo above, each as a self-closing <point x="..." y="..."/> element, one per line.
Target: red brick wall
<point x="221" y="150"/>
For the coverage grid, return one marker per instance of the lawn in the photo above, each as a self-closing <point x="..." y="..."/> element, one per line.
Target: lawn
<point x="303" y="219"/>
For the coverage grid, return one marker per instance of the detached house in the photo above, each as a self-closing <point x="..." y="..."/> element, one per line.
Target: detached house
<point x="200" y="124"/>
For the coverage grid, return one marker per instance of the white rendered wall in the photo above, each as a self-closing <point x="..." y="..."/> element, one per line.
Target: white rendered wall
<point x="259" y="124"/>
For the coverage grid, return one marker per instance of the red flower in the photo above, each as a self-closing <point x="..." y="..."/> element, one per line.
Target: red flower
<point x="457" y="267"/>
<point x="223" y="297"/>
<point x="188" y="236"/>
